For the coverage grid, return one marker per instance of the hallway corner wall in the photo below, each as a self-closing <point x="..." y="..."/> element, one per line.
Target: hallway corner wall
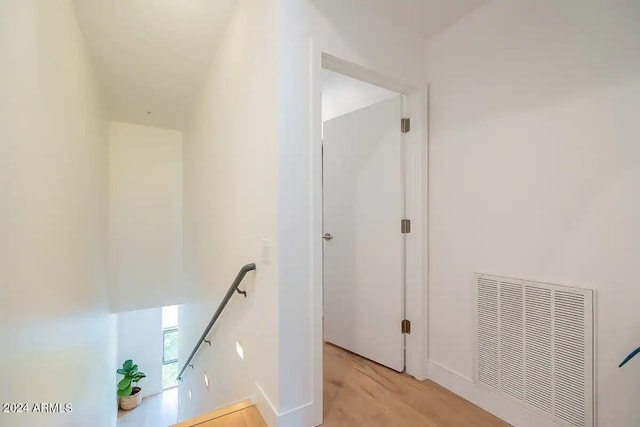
<point x="230" y="196"/>
<point x="58" y="339"/>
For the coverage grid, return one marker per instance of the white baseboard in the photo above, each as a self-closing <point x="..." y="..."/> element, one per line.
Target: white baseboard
<point x="300" y="416"/>
<point x="490" y="402"/>
<point x="265" y="406"/>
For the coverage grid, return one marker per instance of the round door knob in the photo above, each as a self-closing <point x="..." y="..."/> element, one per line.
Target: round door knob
<point x="327" y="236"/>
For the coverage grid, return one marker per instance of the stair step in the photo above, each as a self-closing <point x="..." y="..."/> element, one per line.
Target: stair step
<point x="242" y="414"/>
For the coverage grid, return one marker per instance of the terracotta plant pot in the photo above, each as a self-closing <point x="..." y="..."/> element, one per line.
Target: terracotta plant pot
<point x="130" y="402"/>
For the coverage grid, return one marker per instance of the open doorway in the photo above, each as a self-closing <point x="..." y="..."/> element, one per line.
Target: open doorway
<point x="363" y="208"/>
<point x="378" y="233"/>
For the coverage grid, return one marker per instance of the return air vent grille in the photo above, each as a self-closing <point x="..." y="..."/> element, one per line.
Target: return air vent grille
<point x="534" y="345"/>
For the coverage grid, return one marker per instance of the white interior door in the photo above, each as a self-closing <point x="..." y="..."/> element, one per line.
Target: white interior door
<point x="364" y="259"/>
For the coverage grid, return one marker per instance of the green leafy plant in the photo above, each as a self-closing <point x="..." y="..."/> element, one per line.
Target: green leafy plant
<point x="131" y="377"/>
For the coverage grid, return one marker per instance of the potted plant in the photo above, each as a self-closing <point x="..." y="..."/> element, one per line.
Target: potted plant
<point x="129" y="393"/>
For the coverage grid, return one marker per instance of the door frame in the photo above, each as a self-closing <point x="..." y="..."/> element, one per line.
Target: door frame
<point x="415" y="144"/>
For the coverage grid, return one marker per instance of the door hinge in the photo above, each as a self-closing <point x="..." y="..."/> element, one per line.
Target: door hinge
<point x="405" y="226"/>
<point x="405" y="326"/>
<point x="405" y="124"/>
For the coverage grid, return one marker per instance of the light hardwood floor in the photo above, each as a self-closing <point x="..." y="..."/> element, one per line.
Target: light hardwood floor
<point x="358" y="392"/>
<point x="248" y="417"/>
<point x="241" y="414"/>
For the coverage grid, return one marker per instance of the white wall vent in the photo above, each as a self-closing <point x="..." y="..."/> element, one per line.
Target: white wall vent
<point x="534" y="345"/>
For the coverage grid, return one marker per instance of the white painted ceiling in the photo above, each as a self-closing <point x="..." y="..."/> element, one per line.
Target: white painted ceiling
<point x="342" y="94"/>
<point x="422" y="18"/>
<point x="151" y="55"/>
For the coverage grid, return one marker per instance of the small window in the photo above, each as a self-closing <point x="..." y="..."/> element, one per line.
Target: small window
<point x="170" y="353"/>
<point x="169" y="347"/>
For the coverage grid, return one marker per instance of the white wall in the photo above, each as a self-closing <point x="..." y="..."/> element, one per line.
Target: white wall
<point x="145" y="217"/>
<point x="308" y="28"/>
<point x="534" y="173"/>
<point x="342" y="94"/>
<point x="140" y="338"/>
<point x="230" y="198"/>
<point x="58" y="340"/>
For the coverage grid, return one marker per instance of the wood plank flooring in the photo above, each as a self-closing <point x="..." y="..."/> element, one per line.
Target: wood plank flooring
<point x="241" y="414"/>
<point x="248" y="417"/>
<point x="358" y="392"/>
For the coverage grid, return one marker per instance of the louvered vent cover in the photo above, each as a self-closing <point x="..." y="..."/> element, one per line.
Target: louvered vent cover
<point x="534" y="345"/>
